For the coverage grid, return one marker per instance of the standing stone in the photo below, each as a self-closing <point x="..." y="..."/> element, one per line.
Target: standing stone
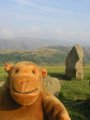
<point x="52" y="85"/>
<point x="74" y="60"/>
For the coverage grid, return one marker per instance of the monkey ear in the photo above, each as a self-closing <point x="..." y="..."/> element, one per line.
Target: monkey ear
<point x="8" y="67"/>
<point x="44" y="73"/>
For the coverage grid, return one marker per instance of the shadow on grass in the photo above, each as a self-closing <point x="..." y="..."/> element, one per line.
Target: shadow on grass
<point x="61" y="76"/>
<point x="78" y="109"/>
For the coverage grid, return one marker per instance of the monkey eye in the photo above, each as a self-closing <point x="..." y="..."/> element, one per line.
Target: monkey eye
<point x="34" y="71"/>
<point x="17" y="70"/>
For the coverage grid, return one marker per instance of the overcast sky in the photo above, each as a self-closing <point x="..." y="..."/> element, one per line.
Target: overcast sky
<point x="67" y="20"/>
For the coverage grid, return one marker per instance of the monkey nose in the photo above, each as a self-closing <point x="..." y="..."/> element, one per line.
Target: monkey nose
<point x="22" y="86"/>
<point x="22" y="82"/>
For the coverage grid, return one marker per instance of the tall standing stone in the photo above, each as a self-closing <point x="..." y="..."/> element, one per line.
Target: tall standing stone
<point x="74" y="63"/>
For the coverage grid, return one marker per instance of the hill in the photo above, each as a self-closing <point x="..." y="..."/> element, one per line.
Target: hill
<point x="47" y="55"/>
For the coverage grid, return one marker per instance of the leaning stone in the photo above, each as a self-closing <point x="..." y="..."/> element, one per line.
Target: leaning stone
<point x="74" y="63"/>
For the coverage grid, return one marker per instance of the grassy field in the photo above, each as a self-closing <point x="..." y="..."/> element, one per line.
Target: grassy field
<point x="75" y="94"/>
<point x="3" y="74"/>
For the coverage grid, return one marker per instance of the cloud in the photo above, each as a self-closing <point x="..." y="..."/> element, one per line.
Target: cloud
<point x="56" y="35"/>
<point x="35" y="29"/>
<point x="40" y="7"/>
<point x="21" y="2"/>
<point x="6" y="33"/>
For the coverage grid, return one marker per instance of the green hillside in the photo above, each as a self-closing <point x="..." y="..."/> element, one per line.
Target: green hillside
<point x="44" y="56"/>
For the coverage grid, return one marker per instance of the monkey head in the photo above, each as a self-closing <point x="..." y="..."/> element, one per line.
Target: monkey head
<point x="25" y="81"/>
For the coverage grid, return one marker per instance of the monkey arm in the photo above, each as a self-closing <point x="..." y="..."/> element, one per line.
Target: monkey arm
<point x="54" y="109"/>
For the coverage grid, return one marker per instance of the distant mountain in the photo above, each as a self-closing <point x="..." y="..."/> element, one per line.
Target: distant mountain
<point x="45" y="55"/>
<point x="22" y="43"/>
<point x="86" y="54"/>
<point x="26" y="43"/>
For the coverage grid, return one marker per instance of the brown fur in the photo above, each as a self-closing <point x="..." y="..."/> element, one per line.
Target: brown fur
<point x="22" y="97"/>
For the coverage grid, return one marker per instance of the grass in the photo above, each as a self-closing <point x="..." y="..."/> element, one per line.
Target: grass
<point x="75" y="94"/>
<point x="3" y="74"/>
<point x="72" y="89"/>
<point x="87" y="71"/>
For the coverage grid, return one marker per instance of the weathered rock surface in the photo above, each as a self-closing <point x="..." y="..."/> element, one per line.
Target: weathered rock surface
<point x="1" y="83"/>
<point x="52" y="85"/>
<point x="74" y="63"/>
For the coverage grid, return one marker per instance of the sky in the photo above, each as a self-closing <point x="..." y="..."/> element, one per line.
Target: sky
<point x="65" y="20"/>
